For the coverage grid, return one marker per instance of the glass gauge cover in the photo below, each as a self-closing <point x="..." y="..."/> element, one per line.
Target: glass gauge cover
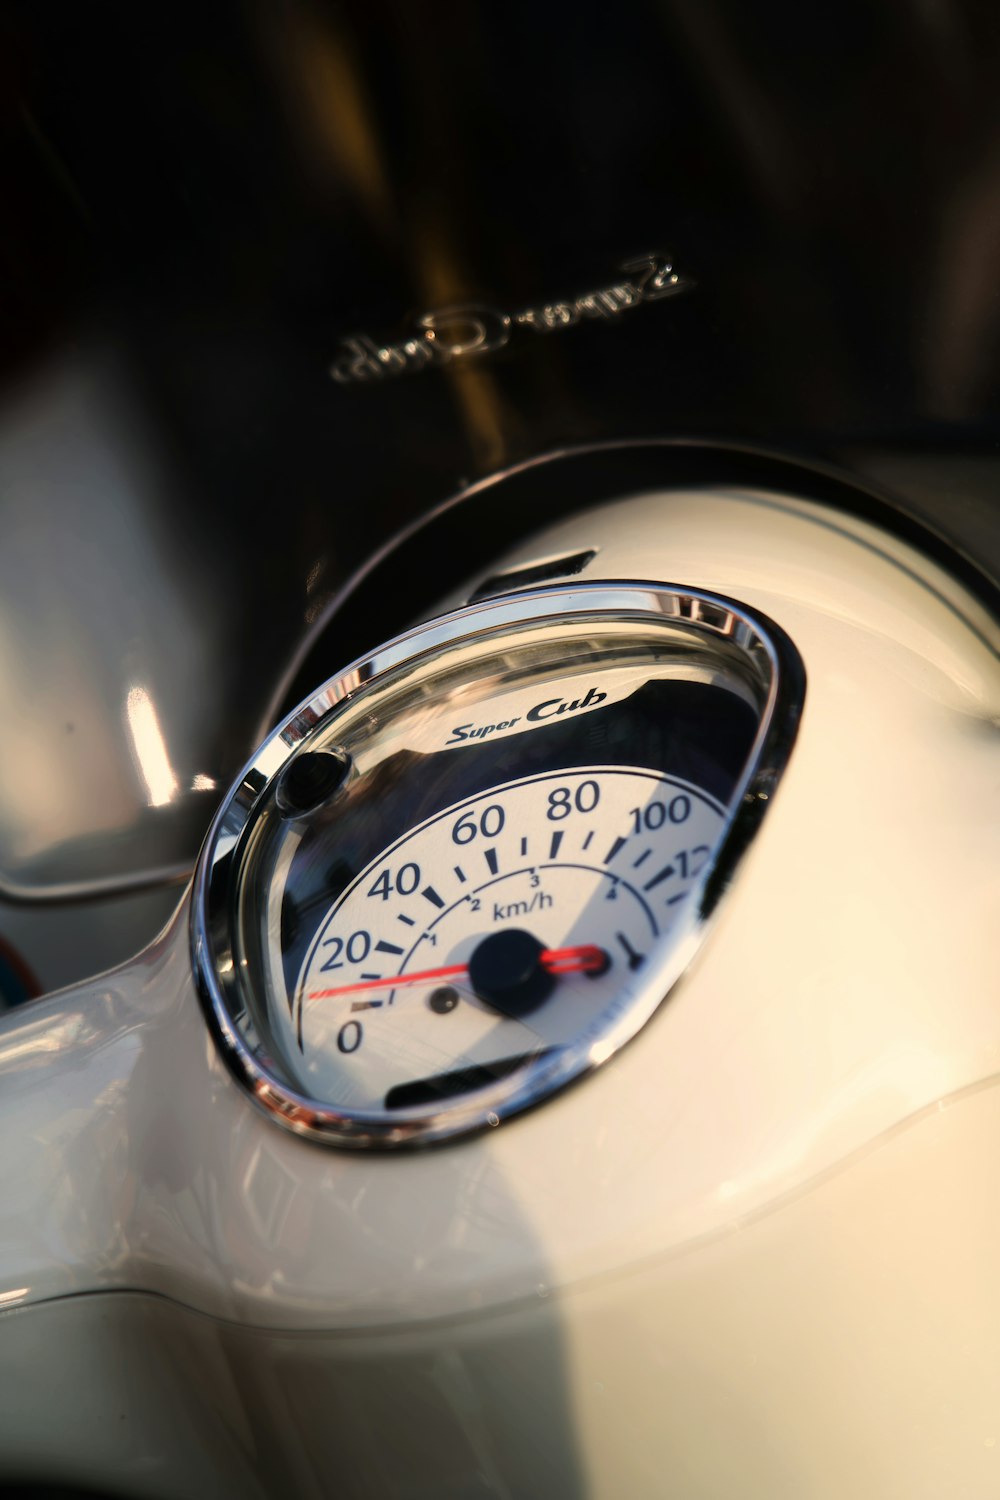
<point x="471" y="867"/>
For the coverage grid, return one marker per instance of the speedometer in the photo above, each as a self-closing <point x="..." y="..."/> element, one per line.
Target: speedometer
<point x="473" y="866"/>
<point x="521" y="938"/>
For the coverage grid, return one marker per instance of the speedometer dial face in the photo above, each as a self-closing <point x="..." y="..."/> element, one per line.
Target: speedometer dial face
<point x="472" y="867"/>
<point x="498" y="929"/>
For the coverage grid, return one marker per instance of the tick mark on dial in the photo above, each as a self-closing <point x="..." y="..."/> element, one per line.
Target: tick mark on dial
<point x="371" y="976"/>
<point x="490" y="856"/>
<point x="642" y="859"/>
<point x="557" y="839"/>
<point x="408" y="920"/>
<point x="587" y="840"/>
<point x="634" y="958"/>
<point x="673" y="900"/>
<point x="431" y="895"/>
<point x="663" y="874"/>
<point x="524" y="847"/>
<point x="383" y="947"/>
<point x="615" y="847"/>
<point x="460" y="873"/>
<point x="366" y="1005"/>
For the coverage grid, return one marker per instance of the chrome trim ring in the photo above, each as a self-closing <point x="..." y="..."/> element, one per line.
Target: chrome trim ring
<point x="779" y="674"/>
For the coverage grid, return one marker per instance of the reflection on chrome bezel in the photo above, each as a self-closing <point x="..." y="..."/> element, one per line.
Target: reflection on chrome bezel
<point x="777" y="668"/>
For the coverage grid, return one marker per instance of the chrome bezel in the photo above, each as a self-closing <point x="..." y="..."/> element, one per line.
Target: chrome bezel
<point x="779" y="671"/>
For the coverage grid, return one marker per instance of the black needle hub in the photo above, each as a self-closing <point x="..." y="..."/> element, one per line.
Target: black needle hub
<point x="506" y="971"/>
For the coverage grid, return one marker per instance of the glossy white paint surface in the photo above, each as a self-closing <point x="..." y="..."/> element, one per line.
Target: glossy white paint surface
<point x="760" y="1243"/>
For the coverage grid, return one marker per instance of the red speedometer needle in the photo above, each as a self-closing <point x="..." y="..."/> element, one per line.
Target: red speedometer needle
<point x="587" y="959"/>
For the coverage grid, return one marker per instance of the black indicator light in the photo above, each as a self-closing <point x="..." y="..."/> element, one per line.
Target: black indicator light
<point x="310" y="780"/>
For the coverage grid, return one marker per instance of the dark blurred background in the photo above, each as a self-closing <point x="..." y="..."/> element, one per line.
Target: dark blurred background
<point x="199" y="203"/>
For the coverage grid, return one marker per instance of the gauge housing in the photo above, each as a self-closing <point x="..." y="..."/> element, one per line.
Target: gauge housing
<point x="582" y="686"/>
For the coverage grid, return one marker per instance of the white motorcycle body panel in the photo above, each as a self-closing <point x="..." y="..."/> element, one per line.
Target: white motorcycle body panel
<point x="755" y="1254"/>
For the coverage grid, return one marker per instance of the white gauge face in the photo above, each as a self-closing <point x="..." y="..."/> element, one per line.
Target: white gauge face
<point x="472" y="867"/>
<point x="495" y="931"/>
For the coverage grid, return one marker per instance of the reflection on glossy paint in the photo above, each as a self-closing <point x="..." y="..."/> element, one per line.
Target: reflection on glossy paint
<point x="37" y="1040"/>
<point x="150" y="748"/>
